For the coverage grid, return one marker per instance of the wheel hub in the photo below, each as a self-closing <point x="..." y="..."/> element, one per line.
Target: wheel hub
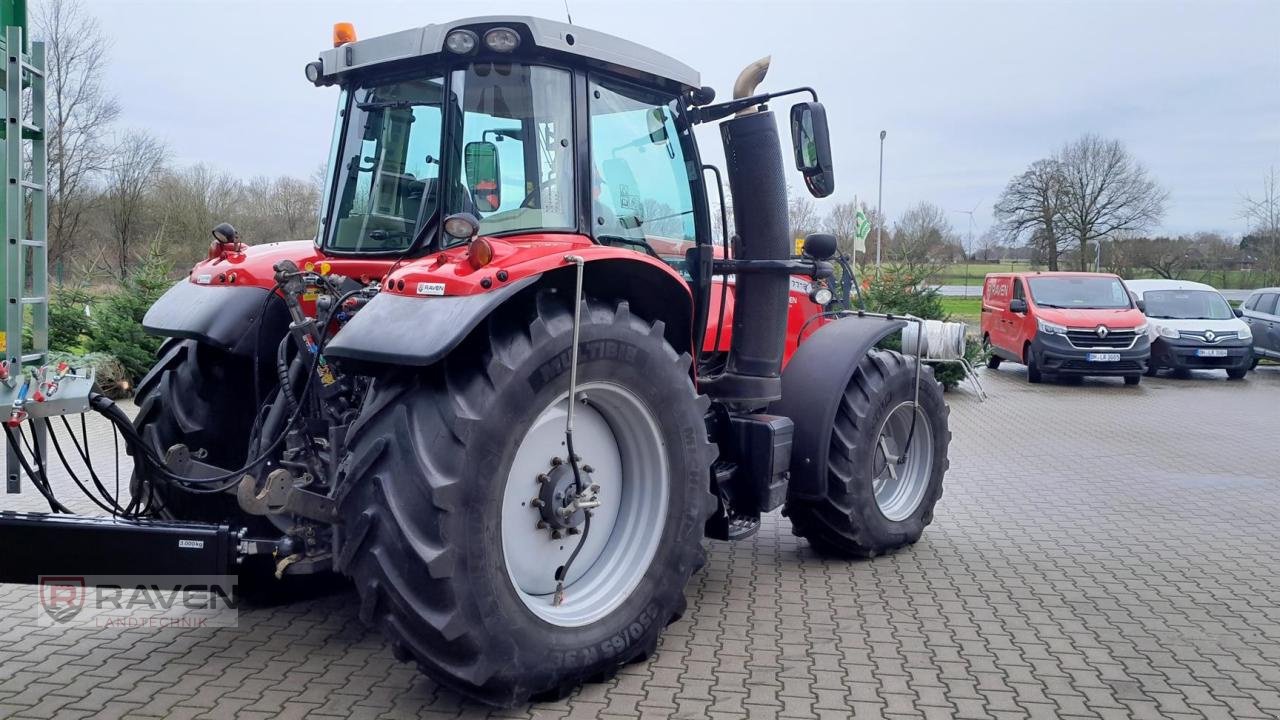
<point x="559" y="503"/>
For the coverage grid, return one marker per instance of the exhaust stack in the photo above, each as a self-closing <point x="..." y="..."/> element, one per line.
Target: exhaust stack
<point x="753" y="158"/>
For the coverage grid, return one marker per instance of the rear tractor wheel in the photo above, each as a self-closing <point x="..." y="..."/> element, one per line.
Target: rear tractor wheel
<point x="886" y="463"/>
<point x="464" y="518"/>
<point x="194" y="396"/>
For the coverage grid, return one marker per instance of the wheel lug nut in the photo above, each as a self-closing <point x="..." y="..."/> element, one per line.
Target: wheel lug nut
<point x="537" y="502"/>
<point x="543" y="478"/>
<point x="542" y="525"/>
<point x="556" y="462"/>
<point x="587" y="468"/>
<point x="594" y="488"/>
<point x="573" y="531"/>
<point x="555" y="535"/>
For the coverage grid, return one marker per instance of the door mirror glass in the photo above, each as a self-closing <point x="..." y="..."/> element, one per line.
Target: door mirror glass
<point x="811" y="141"/>
<point x="481" y="161"/>
<point x="1017" y="305"/>
<point x="1239" y="313"/>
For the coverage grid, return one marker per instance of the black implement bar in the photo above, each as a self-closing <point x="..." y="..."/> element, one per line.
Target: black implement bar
<point x="35" y="544"/>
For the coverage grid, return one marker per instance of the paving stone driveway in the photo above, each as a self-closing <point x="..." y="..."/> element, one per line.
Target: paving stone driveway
<point x="1100" y="551"/>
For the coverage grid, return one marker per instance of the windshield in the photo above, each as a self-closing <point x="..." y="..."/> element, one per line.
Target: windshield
<point x="1186" y="305"/>
<point x="388" y="166"/>
<point x="1079" y="292"/>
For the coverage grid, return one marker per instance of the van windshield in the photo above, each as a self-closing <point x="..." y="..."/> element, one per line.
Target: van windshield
<point x="1079" y="292"/>
<point x="1186" y="305"/>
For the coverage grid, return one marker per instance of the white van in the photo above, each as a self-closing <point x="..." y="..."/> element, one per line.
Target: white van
<point x="1192" y="327"/>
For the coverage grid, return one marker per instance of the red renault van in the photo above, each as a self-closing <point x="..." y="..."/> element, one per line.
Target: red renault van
<point x="1064" y="323"/>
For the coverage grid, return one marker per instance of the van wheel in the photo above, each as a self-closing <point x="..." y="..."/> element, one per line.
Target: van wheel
<point x="1152" y="369"/>
<point x="1033" y="370"/>
<point x="993" y="360"/>
<point x="1237" y="374"/>
<point x="1132" y="379"/>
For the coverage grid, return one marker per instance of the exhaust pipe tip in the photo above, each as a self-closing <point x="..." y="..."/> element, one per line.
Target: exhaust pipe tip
<point x="749" y="79"/>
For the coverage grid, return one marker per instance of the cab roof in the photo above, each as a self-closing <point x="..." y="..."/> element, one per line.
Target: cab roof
<point x="593" y="47"/>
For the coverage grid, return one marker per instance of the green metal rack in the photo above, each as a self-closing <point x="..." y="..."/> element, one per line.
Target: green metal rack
<point x="24" y="264"/>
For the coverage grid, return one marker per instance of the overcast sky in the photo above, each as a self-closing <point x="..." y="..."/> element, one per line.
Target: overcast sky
<point x="969" y="92"/>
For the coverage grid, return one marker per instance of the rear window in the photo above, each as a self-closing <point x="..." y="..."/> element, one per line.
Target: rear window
<point x="1267" y="303"/>
<point x="1079" y="292"/>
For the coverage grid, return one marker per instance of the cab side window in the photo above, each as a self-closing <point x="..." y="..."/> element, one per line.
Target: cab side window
<point x="641" y="197"/>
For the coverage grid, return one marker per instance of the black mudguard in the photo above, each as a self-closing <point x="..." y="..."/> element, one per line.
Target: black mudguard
<point x="227" y="317"/>
<point x="416" y="331"/>
<point x="813" y="384"/>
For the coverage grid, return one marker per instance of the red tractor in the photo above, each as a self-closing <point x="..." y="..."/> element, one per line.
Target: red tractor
<point x="516" y="378"/>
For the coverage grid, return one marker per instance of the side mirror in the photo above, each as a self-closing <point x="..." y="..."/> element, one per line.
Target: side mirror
<point x="224" y="234"/>
<point x="811" y="141"/>
<point x="1018" y="305"/>
<point x="820" y="246"/>
<point x="480" y="162"/>
<point x="1142" y="305"/>
<point x="1239" y="312"/>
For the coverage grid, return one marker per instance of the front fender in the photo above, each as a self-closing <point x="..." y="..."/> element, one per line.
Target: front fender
<point x="228" y="317"/>
<point x="417" y="331"/>
<point x="813" y="384"/>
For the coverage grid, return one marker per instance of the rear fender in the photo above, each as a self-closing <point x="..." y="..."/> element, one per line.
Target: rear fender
<point x="411" y="330"/>
<point x="230" y="318"/>
<point x="813" y="385"/>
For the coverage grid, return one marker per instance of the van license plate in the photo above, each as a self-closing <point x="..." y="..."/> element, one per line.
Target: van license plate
<point x="1104" y="357"/>
<point x="1211" y="352"/>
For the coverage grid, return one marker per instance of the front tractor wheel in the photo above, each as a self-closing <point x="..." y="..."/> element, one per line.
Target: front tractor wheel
<point x="463" y="511"/>
<point x="886" y="463"/>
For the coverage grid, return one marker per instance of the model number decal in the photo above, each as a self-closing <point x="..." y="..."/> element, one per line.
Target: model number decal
<point x="429" y="288"/>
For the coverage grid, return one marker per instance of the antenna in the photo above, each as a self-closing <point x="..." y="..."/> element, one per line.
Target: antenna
<point x="567" y="15"/>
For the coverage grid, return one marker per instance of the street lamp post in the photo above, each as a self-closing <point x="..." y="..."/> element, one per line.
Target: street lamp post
<point x="880" y="205"/>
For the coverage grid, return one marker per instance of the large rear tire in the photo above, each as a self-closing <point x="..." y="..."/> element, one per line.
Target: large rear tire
<point x="875" y="503"/>
<point x="195" y="395"/>
<point x="453" y="559"/>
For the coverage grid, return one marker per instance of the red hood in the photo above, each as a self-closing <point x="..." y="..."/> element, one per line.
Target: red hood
<point x="1113" y="319"/>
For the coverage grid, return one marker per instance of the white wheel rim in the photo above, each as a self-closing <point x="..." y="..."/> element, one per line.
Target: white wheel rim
<point x="617" y="436"/>
<point x="899" y="480"/>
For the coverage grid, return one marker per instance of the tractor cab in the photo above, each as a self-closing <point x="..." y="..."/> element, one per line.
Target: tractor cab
<point x="527" y="125"/>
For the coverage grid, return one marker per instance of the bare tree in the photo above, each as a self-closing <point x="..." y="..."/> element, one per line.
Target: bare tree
<point x="79" y="113"/>
<point x="136" y="163"/>
<point x="1262" y="211"/>
<point x="1109" y="193"/>
<point x="803" y="215"/>
<point x="922" y="240"/>
<point x="295" y="202"/>
<point x="1030" y="209"/>
<point x="842" y="222"/>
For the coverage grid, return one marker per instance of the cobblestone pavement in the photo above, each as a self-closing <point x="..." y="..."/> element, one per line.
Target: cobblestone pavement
<point x="1100" y="551"/>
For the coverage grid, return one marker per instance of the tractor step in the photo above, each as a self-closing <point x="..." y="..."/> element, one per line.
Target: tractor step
<point x="32" y="545"/>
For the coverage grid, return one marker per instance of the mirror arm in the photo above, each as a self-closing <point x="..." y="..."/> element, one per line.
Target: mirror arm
<point x="711" y="113"/>
<point x="815" y="269"/>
